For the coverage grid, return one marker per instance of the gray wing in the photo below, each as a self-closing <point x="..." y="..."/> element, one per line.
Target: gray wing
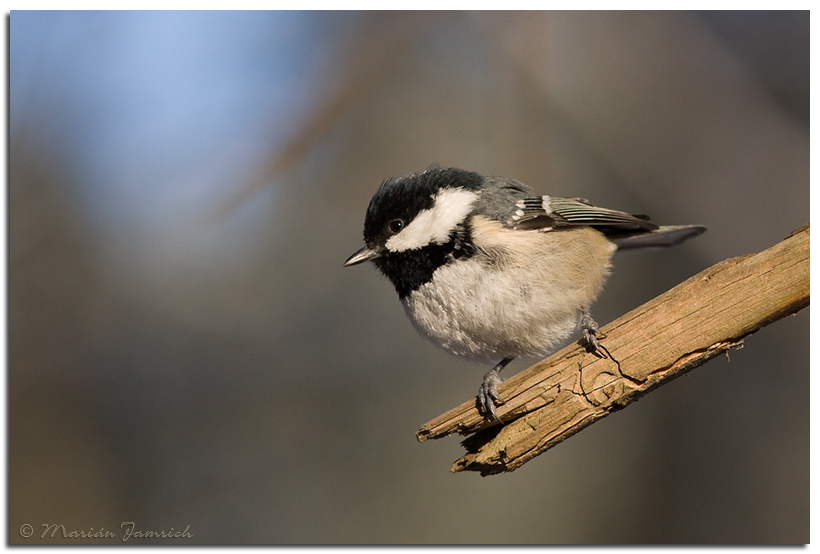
<point x="627" y="231"/>
<point x="549" y="212"/>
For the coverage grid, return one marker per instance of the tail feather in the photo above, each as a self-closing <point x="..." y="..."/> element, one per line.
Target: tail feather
<point x="662" y="237"/>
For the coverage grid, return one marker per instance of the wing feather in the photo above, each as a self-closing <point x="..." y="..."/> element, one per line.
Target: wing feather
<point x="547" y="212"/>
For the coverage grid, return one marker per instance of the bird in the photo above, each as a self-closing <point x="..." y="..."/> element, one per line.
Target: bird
<point x="490" y="271"/>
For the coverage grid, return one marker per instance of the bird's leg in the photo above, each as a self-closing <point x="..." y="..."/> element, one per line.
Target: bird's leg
<point x="487" y="393"/>
<point x="590" y="331"/>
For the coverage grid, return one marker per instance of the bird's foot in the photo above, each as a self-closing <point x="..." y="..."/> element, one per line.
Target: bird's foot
<point x="488" y="394"/>
<point x="591" y="333"/>
<point x="488" y="391"/>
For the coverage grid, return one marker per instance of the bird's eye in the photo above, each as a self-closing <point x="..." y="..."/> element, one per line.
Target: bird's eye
<point x="396" y="225"/>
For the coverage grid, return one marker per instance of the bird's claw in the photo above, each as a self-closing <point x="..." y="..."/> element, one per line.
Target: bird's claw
<point x="488" y="394"/>
<point x="591" y="333"/>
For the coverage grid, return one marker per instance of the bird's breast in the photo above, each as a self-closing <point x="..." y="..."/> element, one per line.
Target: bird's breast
<point x="520" y="294"/>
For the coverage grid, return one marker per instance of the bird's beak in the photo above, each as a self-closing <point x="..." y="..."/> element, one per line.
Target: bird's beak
<point x="364" y="255"/>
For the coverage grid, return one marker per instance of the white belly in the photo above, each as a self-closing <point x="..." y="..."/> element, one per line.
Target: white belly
<point x="497" y="305"/>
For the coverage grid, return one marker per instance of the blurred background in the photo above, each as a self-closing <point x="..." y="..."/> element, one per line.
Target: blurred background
<point x="185" y="347"/>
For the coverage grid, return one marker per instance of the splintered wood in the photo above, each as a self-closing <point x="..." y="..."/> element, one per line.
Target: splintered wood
<point x="668" y="336"/>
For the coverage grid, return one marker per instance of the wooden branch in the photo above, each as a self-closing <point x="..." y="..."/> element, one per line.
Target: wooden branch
<point x="668" y="336"/>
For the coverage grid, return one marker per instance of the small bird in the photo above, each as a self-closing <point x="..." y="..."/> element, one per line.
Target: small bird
<point x="489" y="271"/>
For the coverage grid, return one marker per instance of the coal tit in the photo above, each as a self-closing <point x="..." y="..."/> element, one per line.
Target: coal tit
<point x="490" y="271"/>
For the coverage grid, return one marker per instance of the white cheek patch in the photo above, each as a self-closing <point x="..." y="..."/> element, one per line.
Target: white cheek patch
<point x="450" y="207"/>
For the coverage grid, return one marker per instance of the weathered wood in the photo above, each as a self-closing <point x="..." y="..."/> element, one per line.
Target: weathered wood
<point x="668" y="336"/>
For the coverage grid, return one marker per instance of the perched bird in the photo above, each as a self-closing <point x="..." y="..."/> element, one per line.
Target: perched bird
<point x="489" y="271"/>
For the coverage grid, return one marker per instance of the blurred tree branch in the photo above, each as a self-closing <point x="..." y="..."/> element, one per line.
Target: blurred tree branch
<point x="361" y="63"/>
<point x="705" y="316"/>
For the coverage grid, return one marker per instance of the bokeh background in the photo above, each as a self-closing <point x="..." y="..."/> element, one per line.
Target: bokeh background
<point x="185" y="347"/>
